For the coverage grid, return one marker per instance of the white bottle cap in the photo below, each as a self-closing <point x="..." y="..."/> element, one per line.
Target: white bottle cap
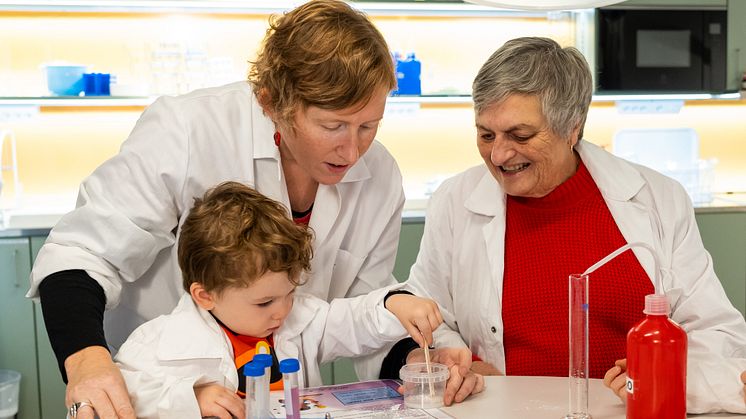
<point x="656" y="304"/>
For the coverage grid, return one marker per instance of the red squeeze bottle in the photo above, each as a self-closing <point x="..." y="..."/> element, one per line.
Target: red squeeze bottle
<point x="656" y="364"/>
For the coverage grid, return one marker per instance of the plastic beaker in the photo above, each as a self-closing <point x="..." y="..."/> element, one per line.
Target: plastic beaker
<point x="10" y="385"/>
<point x="65" y="79"/>
<point x="418" y="384"/>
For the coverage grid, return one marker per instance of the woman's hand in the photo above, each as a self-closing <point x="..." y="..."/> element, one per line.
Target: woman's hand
<point x="743" y="380"/>
<point x="420" y="316"/>
<point x="485" y="368"/>
<point x="93" y="378"/>
<point x="462" y="381"/>
<point x="217" y="401"/>
<point x="616" y="379"/>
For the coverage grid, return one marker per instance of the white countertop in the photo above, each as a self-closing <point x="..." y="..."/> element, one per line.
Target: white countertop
<point x="541" y="398"/>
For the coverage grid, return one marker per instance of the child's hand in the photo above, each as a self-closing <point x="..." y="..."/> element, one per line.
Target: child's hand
<point x="616" y="379"/>
<point x="220" y="402"/>
<point x="420" y="316"/>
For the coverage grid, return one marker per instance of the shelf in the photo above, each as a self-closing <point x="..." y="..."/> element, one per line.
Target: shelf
<point x="142" y="101"/>
<point x="439" y="100"/>
<point x="253" y="7"/>
<point x="113" y="101"/>
<point x="75" y="101"/>
<point x="665" y="96"/>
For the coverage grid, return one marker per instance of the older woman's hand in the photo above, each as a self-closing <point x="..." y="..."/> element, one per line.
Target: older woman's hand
<point x="93" y="378"/>
<point x="462" y="381"/>
<point x="616" y="379"/>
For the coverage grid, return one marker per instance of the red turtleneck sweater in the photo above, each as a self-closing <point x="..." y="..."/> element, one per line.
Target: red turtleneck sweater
<point x="547" y="239"/>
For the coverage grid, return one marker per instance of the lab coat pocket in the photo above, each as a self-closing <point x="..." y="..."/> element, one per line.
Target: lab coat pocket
<point x="346" y="268"/>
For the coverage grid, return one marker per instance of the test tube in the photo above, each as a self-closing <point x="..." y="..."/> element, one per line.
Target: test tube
<point x="289" y="369"/>
<point x="262" y="398"/>
<point x="253" y="373"/>
<point x="578" y="338"/>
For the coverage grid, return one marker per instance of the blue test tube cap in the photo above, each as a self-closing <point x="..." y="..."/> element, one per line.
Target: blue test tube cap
<point x="253" y="370"/>
<point x="264" y="360"/>
<point x="289" y="365"/>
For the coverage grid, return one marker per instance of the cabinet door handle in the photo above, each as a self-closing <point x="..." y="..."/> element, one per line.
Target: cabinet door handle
<point x="15" y="268"/>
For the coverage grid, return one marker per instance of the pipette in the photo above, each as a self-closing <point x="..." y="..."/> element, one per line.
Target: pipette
<point x="617" y="252"/>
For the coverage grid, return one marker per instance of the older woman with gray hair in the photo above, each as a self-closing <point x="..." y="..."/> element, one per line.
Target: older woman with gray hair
<point x="501" y="239"/>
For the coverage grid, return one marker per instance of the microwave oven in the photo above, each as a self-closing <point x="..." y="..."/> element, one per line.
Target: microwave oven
<point x="660" y="50"/>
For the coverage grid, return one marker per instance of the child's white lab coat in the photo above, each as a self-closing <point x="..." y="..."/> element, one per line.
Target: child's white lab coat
<point x="166" y="357"/>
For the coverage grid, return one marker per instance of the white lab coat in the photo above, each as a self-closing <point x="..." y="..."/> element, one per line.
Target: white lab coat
<point x="461" y="261"/>
<point x="129" y="210"/>
<point x="166" y="357"/>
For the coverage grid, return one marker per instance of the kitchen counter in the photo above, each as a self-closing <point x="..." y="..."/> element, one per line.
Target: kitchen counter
<point x="37" y="215"/>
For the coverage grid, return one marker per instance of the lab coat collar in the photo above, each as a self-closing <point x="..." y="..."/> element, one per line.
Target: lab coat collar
<point x="329" y="199"/>
<point x="616" y="179"/>
<point x="357" y="172"/>
<point x="190" y="332"/>
<point x="262" y="132"/>
<point x="487" y="198"/>
<point x="621" y="184"/>
<point x="300" y="316"/>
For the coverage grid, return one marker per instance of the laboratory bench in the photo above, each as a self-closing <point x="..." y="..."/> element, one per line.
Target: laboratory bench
<point x="24" y="345"/>
<point x="540" y="398"/>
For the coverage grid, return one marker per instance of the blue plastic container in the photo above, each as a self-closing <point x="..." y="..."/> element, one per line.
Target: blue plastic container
<point x="65" y="80"/>
<point x="408" y="75"/>
<point x="96" y="84"/>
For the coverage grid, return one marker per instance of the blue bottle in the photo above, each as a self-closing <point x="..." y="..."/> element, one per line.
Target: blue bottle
<point x="408" y="75"/>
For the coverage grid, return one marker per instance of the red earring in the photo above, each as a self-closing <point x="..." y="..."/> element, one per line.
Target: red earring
<point x="277" y="138"/>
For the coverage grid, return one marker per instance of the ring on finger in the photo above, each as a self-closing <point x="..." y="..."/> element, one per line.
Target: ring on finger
<point x="75" y="408"/>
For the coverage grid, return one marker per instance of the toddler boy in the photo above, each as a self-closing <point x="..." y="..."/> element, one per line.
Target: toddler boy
<point x="242" y="258"/>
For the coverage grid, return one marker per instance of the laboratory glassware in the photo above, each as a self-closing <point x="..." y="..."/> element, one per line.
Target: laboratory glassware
<point x="253" y="373"/>
<point x="262" y="398"/>
<point x="578" y="349"/>
<point x="289" y="369"/>
<point x="578" y="328"/>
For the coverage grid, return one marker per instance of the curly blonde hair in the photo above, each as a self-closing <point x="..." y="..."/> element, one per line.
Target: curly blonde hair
<point x="234" y="234"/>
<point x="323" y="53"/>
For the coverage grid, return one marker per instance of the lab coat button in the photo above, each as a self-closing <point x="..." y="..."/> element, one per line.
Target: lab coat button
<point x="493" y="329"/>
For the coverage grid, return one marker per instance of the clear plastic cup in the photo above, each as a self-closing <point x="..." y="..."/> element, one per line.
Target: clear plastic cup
<point x="423" y="389"/>
<point x="10" y="384"/>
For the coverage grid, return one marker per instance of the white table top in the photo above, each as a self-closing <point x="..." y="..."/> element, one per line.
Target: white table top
<point x="540" y="398"/>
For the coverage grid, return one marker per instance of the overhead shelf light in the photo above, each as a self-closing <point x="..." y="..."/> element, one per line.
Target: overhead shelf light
<point x="545" y="4"/>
